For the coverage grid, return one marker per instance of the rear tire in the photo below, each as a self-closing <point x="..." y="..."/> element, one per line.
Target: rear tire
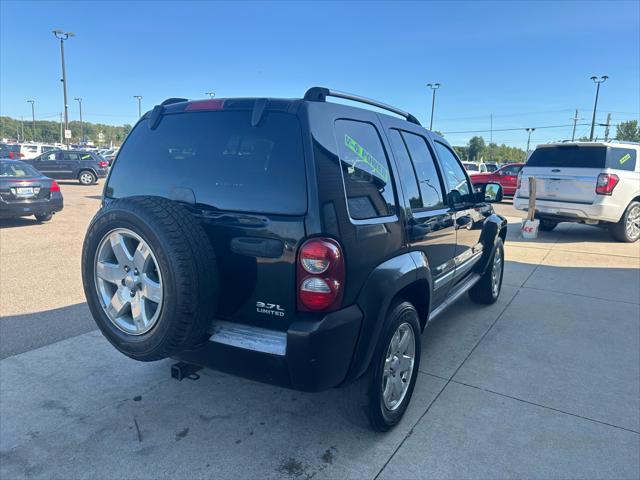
<point x="547" y="225"/>
<point x="44" y="217"/>
<point x="488" y="288"/>
<point x="186" y="283"/>
<point x="365" y="398"/>
<point x="628" y="228"/>
<point x="87" y="177"/>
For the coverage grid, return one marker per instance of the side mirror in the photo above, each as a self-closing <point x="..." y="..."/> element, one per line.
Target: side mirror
<point x="492" y="192"/>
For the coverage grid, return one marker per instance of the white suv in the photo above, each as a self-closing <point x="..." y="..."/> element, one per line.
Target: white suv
<point x="597" y="183"/>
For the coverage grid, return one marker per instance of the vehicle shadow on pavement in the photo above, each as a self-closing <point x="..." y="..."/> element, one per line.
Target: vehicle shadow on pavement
<point x="19" y="222"/>
<point x="22" y="333"/>
<point x="79" y="409"/>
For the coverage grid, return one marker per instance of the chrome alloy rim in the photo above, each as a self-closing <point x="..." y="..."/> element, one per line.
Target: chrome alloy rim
<point x="86" y="178"/>
<point x="398" y="366"/>
<point x="496" y="272"/>
<point x="633" y="223"/>
<point x="128" y="281"/>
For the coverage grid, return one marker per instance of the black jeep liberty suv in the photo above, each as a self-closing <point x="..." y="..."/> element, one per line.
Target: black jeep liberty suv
<point x="299" y="242"/>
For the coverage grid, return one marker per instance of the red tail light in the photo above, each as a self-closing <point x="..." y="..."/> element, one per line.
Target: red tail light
<point x="54" y="186"/>
<point x="606" y="183"/>
<point x="212" y="104"/>
<point x="320" y="275"/>
<point x="103" y="164"/>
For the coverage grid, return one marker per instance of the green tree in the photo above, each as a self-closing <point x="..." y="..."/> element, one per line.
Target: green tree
<point x="476" y="148"/>
<point x="49" y="132"/>
<point x="628" y="131"/>
<point x="462" y="152"/>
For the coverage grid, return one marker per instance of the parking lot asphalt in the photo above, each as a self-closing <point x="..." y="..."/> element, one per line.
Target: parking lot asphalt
<point x="543" y="384"/>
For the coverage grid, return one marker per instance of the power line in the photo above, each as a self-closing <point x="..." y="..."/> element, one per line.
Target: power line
<point x="512" y="129"/>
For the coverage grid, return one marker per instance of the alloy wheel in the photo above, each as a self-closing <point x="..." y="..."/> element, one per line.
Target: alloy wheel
<point x="632" y="226"/>
<point x="398" y="366"/>
<point x="496" y="272"/>
<point x="128" y="281"/>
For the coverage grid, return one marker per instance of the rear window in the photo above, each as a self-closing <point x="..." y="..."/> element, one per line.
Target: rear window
<point x="18" y="170"/>
<point x="227" y="163"/>
<point x="583" y="157"/>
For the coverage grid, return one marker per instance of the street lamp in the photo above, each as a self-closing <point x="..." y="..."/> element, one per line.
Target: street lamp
<point x="211" y="94"/>
<point x="139" y="97"/>
<point x="62" y="36"/>
<point x="433" y="87"/>
<point x="33" y="117"/>
<point x="597" y="81"/>
<point x="529" y="130"/>
<point x="79" y="100"/>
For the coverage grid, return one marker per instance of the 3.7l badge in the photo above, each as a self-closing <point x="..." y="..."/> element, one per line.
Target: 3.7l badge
<point x="269" y="309"/>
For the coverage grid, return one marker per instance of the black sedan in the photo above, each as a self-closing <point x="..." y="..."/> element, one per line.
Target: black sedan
<point x="25" y="191"/>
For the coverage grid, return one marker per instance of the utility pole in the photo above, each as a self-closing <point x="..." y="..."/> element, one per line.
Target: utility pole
<point x="62" y="36"/>
<point x="139" y="98"/>
<point x="17" y="132"/>
<point x="79" y="100"/>
<point x="33" y="117"/>
<point x="61" y="136"/>
<point x="606" y="128"/>
<point x="597" y="81"/>
<point x="575" y="122"/>
<point x="22" y="127"/>
<point x="211" y="94"/>
<point x="529" y="131"/>
<point x="491" y="136"/>
<point x="433" y="87"/>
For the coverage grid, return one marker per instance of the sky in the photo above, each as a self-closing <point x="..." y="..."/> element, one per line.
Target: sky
<point x="525" y="63"/>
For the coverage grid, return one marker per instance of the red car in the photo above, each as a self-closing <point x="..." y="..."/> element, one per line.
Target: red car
<point x="506" y="176"/>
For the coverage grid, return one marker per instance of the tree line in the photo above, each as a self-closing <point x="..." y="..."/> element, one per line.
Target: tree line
<point x="477" y="149"/>
<point x="49" y="132"/>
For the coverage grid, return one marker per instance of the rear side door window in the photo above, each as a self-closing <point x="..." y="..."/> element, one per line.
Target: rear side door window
<point x="405" y="169"/>
<point x="426" y="172"/>
<point x="365" y="170"/>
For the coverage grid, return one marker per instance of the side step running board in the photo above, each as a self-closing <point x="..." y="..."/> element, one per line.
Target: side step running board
<point x="456" y="293"/>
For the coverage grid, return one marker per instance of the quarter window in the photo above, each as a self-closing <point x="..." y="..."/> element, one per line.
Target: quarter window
<point x="365" y="170"/>
<point x="426" y="172"/>
<point x="454" y="175"/>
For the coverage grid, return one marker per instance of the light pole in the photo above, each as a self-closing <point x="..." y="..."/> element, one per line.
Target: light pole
<point x="79" y="100"/>
<point x="433" y="87"/>
<point x="62" y="36"/>
<point x="33" y="117"/>
<point x="211" y="94"/>
<point x="139" y="97"/>
<point x="597" y="81"/>
<point x="529" y="131"/>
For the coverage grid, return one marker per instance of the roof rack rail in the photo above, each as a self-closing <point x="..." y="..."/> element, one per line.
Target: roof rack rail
<point x="624" y="141"/>
<point x="320" y="94"/>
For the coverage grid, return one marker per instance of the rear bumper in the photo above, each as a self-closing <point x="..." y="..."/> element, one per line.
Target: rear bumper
<point x="31" y="207"/>
<point x="316" y="356"/>
<point x="572" y="212"/>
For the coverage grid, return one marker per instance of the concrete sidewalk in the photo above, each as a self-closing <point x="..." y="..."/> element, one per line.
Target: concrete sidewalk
<point x="543" y="384"/>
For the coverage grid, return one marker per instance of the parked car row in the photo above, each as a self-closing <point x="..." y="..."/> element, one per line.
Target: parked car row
<point x="29" y="187"/>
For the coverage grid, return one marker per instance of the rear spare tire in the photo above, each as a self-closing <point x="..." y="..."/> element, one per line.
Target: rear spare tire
<point x="150" y="277"/>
